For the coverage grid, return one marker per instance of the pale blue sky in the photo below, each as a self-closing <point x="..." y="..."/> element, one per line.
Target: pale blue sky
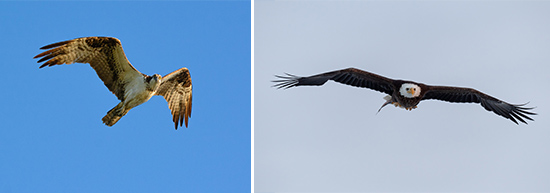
<point x="330" y="139"/>
<point x="52" y="137"/>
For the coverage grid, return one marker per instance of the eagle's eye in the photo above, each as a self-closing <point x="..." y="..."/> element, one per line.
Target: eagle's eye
<point x="407" y="88"/>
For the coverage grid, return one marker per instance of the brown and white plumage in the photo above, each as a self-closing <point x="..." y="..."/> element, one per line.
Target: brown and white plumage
<point x="106" y="56"/>
<point x="408" y="94"/>
<point x="176" y="90"/>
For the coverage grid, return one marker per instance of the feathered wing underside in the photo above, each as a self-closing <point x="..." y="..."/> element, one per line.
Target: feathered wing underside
<point x="104" y="54"/>
<point x="176" y="88"/>
<point x="469" y="95"/>
<point x="349" y="76"/>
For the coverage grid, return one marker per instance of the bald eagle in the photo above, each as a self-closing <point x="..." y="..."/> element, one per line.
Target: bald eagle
<point x="130" y="86"/>
<point x="407" y="94"/>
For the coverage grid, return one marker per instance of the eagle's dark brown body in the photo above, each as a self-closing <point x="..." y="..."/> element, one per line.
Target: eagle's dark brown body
<point x="404" y="101"/>
<point x="408" y="94"/>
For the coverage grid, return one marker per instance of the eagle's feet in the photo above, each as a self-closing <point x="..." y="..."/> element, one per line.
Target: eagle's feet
<point x="406" y="108"/>
<point x="411" y="108"/>
<point x="397" y="104"/>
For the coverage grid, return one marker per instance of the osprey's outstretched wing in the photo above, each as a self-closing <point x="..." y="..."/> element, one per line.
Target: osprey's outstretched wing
<point x="176" y="88"/>
<point x="349" y="76"/>
<point x="104" y="54"/>
<point x="469" y="95"/>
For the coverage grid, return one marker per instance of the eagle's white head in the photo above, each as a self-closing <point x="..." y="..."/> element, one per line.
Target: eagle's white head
<point x="153" y="82"/>
<point x="409" y="90"/>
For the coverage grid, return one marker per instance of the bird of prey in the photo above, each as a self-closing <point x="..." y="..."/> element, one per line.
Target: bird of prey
<point x="131" y="87"/>
<point x="407" y="94"/>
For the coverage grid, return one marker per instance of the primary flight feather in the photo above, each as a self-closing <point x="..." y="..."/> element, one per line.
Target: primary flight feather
<point x="131" y="87"/>
<point x="407" y="94"/>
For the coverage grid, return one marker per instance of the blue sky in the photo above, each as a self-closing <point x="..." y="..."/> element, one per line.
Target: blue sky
<point x="330" y="138"/>
<point x="52" y="137"/>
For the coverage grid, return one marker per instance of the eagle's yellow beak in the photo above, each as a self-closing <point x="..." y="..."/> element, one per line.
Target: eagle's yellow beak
<point x="411" y="91"/>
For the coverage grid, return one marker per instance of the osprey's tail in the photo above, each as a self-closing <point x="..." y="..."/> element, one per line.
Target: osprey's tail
<point x="114" y="115"/>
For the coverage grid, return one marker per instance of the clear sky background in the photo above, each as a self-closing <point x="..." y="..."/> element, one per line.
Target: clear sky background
<point x="330" y="139"/>
<point x="52" y="137"/>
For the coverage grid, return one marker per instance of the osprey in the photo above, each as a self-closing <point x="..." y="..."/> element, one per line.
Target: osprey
<point x="407" y="94"/>
<point x="130" y="86"/>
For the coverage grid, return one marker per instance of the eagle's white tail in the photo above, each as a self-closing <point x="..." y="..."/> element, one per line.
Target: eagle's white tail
<point x="114" y="115"/>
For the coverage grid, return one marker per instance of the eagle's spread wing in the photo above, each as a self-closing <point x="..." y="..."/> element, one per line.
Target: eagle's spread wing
<point x="104" y="54"/>
<point x="469" y="95"/>
<point x="349" y="76"/>
<point x="176" y="89"/>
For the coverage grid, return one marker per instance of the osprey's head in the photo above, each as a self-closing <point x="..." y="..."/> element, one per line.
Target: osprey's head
<point x="153" y="82"/>
<point x="409" y="90"/>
